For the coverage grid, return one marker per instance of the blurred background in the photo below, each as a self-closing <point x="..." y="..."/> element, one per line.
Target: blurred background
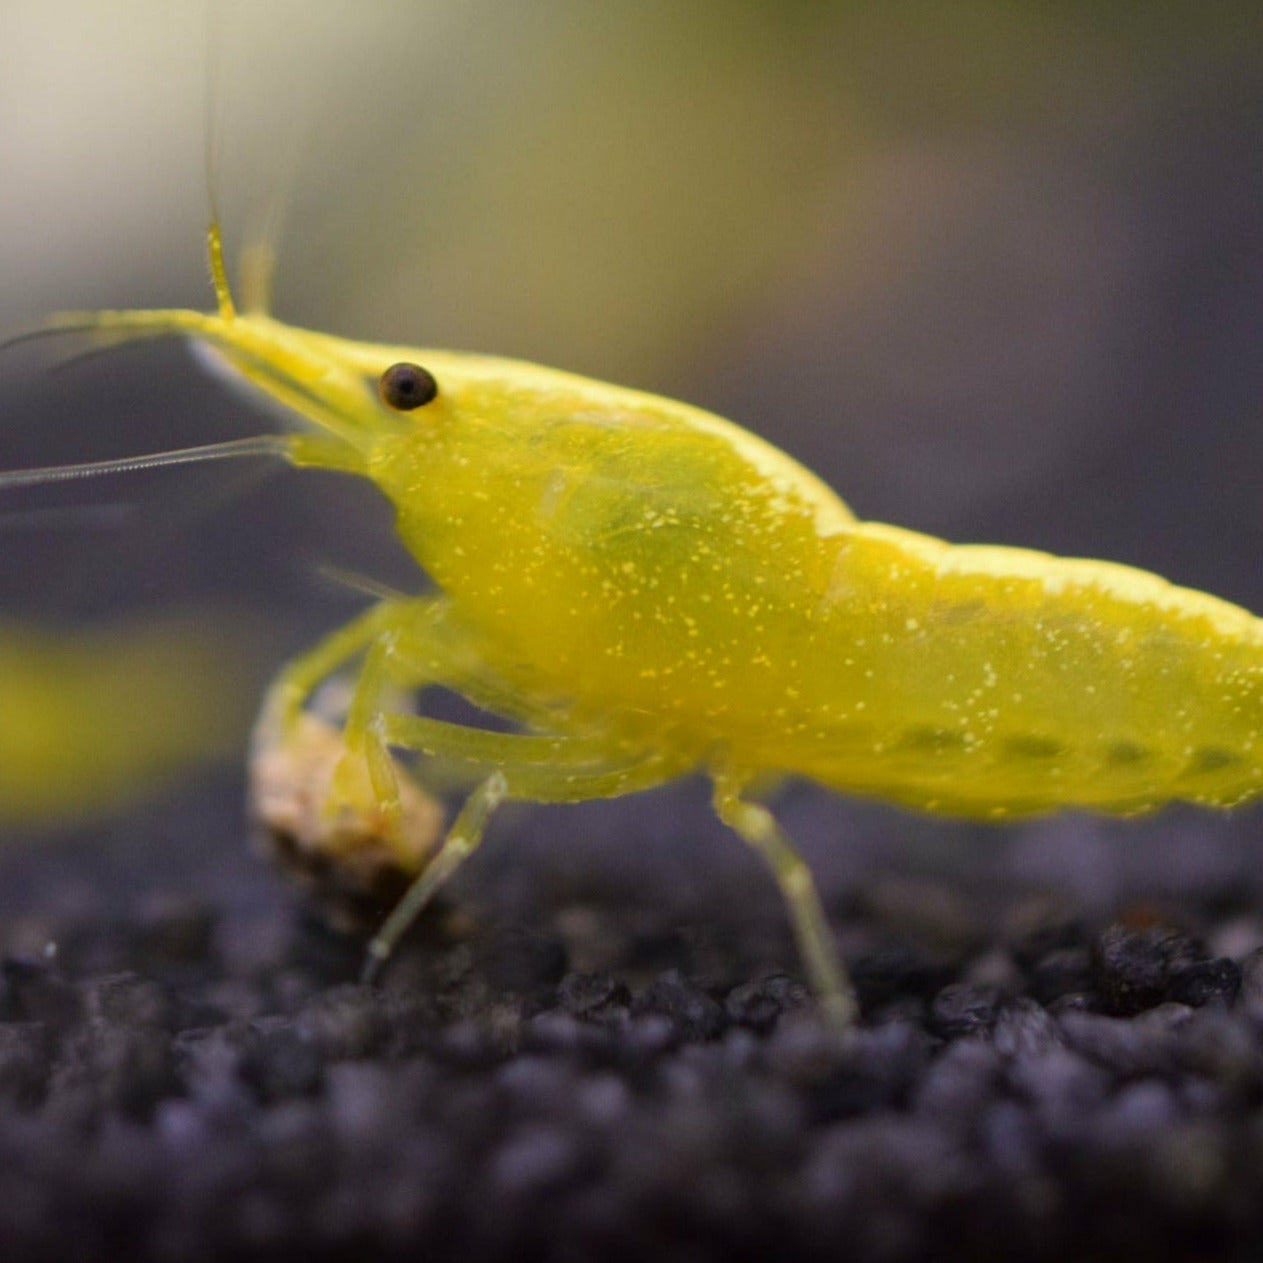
<point x="995" y="271"/>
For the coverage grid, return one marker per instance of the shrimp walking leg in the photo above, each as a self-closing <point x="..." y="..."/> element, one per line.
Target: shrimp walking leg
<point x="461" y="842"/>
<point x="825" y="971"/>
<point x="526" y="780"/>
<point x="304" y="675"/>
<point x="362" y="734"/>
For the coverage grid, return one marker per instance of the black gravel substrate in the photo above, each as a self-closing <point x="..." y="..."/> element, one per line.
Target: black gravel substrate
<point x="191" y="1079"/>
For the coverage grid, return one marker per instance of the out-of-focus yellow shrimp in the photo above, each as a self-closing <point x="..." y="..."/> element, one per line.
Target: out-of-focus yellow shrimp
<point x="92" y="720"/>
<point x="647" y="590"/>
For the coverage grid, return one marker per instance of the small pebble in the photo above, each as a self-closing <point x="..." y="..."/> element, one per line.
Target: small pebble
<point x="278" y="1061"/>
<point x="964" y="1009"/>
<point x="1024" y="1029"/>
<point x="759" y="1005"/>
<point x="1060" y="972"/>
<point x="693" y="1013"/>
<point x="592" y="995"/>
<point x="1138" y="969"/>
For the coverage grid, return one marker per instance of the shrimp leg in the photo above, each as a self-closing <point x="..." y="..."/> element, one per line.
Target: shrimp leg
<point x="527" y="780"/>
<point x="825" y="971"/>
<point x="304" y="675"/>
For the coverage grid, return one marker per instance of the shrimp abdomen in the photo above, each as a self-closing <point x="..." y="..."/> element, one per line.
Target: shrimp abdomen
<point x="997" y="682"/>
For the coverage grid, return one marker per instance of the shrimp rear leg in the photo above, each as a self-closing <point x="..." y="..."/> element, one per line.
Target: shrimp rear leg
<point x="513" y="778"/>
<point x="825" y="971"/>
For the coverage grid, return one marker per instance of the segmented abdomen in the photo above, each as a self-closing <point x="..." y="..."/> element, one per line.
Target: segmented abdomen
<point x="996" y="682"/>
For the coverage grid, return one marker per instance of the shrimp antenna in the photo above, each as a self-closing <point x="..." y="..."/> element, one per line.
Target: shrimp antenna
<point x="76" y="323"/>
<point x="256" y="445"/>
<point x="214" y="233"/>
<point x="354" y="581"/>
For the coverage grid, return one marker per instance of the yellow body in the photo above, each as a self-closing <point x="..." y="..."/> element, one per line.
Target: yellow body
<point x="638" y="568"/>
<point x="648" y="590"/>
<point x="660" y="574"/>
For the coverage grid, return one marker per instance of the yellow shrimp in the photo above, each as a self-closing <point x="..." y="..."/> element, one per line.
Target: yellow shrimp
<point x="93" y="720"/>
<point x="647" y="590"/>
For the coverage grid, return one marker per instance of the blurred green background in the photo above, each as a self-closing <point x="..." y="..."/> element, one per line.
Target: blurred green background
<point x="994" y="270"/>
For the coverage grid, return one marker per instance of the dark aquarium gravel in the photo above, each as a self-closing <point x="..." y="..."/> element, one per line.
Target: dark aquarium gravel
<point x="578" y="1058"/>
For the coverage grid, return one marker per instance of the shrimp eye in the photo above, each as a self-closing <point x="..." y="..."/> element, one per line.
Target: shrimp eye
<point x="406" y="386"/>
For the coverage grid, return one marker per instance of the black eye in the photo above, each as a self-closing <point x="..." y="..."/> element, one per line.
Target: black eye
<point x="406" y="386"/>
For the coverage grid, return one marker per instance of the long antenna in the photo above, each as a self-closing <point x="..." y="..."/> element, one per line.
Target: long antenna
<point x="256" y="445"/>
<point x="73" y="323"/>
